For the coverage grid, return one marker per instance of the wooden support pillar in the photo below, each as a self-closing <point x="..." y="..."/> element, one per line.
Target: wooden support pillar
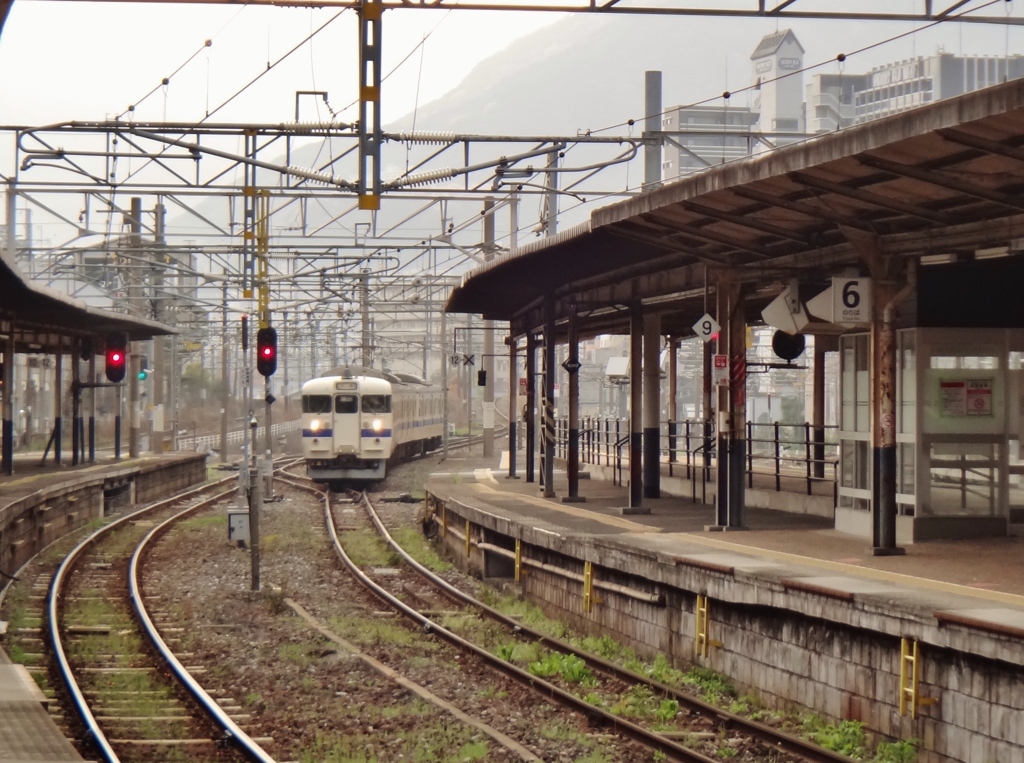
<point x="652" y="405"/>
<point x="549" y="397"/>
<point x="531" y="406"/>
<point x="818" y="410"/>
<point x="7" y="459"/>
<point x="636" y="341"/>
<point x="732" y="408"/>
<point x="673" y="397"/>
<point x="513" y="404"/>
<point x="572" y="365"/>
<point x="58" y="404"/>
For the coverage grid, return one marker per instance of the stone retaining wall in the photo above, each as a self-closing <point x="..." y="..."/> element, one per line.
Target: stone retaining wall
<point x="838" y="656"/>
<point x="33" y="521"/>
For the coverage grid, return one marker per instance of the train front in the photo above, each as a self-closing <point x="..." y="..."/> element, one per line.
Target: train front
<point x="346" y="428"/>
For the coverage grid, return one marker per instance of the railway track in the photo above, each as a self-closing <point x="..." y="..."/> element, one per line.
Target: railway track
<point x="694" y="724"/>
<point x="129" y="695"/>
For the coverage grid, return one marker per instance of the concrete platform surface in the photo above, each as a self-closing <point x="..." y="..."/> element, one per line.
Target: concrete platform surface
<point x="977" y="583"/>
<point x="27" y="733"/>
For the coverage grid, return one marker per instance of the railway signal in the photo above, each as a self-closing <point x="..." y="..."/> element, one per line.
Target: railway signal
<point x="266" y="351"/>
<point x="116" y="357"/>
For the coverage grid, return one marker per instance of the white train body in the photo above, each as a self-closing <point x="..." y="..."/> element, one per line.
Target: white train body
<point x="356" y="422"/>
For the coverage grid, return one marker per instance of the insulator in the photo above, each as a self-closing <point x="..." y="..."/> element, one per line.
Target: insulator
<point x="428" y="137"/>
<point x="310" y="128"/>
<point x="316" y="177"/>
<point x="424" y="178"/>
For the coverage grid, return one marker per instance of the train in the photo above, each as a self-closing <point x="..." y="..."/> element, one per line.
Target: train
<point x="357" y="421"/>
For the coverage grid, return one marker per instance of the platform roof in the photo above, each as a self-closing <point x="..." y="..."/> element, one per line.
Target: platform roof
<point x="45" y="319"/>
<point x="946" y="178"/>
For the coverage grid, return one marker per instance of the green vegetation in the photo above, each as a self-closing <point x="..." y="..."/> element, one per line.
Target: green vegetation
<point x="420" y="549"/>
<point x="903" y="751"/>
<point x="846" y="737"/>
<point x="442" y="742"/>
<point x="365" y="548"/>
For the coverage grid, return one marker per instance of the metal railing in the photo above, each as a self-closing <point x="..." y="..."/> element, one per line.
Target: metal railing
<point x="788" y="454"/>
<point x="212" y="441"/>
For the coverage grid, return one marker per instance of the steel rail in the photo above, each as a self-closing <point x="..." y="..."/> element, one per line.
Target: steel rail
<point x="208" y="703"/>
<point x="791" y="744"/>
<point x="620" y="725"/>
<point x="53" y="615"/>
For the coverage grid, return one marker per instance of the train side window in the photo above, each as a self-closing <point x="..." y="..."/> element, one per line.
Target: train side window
<point x="346" y="404"/>
<point x="376" y="403"/>
<point x="316" y="403"/>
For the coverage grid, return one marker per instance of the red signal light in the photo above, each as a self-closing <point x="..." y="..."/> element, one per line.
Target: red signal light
<point x="115" y="357"/>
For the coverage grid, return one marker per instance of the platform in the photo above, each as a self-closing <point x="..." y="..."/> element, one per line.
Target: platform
<point x="27" y="733"/>
<point x="804" y="613"/>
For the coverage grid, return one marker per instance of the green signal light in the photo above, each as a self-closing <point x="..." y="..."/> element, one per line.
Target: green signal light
<point x="143" y="375"/>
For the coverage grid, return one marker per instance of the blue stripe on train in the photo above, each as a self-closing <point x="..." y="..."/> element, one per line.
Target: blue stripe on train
<point x="371" y="433"/>
<point x="317" y="432"/>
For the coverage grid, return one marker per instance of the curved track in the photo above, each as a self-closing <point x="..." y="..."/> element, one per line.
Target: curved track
<point x="132" y="704"/>
<point x="793" y="745"/>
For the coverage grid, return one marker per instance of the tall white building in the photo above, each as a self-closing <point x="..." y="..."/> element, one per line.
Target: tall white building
<point x="778" y="62"/>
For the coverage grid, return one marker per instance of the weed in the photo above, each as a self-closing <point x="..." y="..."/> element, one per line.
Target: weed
<point x="550" y="665"/>
<point x="595" y="699"/>
<point x="575" y="670"/>
<point x="253" y="698"/>
<point x="420" y="549"/>
<point x="667" y="710"/>
<point x="846" y="737"/>
<point x="505" y="651"/>
<point x="603" y="646"/>
<point x="713" y="686"/>
<point x="659" y="756"/>
<point x="726" y="752"/>
<point x="903" y="751"/>
<point x="365" y="548"/>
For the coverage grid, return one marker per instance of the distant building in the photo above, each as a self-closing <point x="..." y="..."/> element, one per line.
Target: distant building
<point x="709" y="135"/>
<point x="841" y="100"/>
<point x="703" y="136"/>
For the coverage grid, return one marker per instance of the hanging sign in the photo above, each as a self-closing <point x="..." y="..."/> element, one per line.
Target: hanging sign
<point x="720" y="370"/>
<point x="706" y="328"/>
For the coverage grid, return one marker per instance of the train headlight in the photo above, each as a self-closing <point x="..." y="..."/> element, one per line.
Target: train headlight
<point x="376" y="425"/>
<point x="314" y="424"/>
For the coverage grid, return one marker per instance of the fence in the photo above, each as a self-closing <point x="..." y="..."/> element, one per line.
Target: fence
<point x="212" y="441"/>
<point x="781" y="452"/>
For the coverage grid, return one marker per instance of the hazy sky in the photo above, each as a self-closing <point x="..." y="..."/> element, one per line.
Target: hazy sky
<point x="83" y="60"/>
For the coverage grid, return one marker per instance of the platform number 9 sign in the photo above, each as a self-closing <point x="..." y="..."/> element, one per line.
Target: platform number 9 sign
<point x="706" y="327"/>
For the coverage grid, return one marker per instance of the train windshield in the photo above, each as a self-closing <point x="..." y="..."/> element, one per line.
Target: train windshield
<point x="316" y="403"/>
<point x="376" y="403"/>
<point x="346" y="404"/>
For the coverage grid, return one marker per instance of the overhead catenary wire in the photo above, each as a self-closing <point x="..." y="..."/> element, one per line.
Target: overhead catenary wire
<point x="840" y="57"/>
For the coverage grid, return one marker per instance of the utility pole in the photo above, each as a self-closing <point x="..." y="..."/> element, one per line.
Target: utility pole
<point x="364" y="306"/>
<point x="225" y="393"/>
<point x="488" y="358"/>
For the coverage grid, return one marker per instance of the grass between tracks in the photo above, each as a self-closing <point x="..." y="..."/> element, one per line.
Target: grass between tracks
<point x="639" y="702"/>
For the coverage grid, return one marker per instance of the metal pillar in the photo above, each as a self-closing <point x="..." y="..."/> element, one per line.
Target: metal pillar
<point x="549" y="397"/>
<point x="573" y="367"/>
<point x="58" y="403"/>
<point x="531" y="405"/>
<point x="488" y="358"/>
<point x="673" y="396"/>
<point x="8" y="409"/>
<point x="887" y="277"/>
<point x="732" y="442"/>
<point x="92" y="408"/>
<point x="818" y="411"/>
<point x="444" y="382"/>
<point x="117" y="422"/>
<point x="652" y="405"/>
<point x="225" y="394"/>
<point x="370" y="13"/>
<point x="133" y="404"/>
<point x="513" y="402"/>
<point x="364" y="311"/>
<point x="636" y="343"/>
<point x="76" y="403"/>
<point x="652" y="124"/>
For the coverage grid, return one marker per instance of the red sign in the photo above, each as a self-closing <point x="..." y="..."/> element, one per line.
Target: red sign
<point x="522" y="385"/>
